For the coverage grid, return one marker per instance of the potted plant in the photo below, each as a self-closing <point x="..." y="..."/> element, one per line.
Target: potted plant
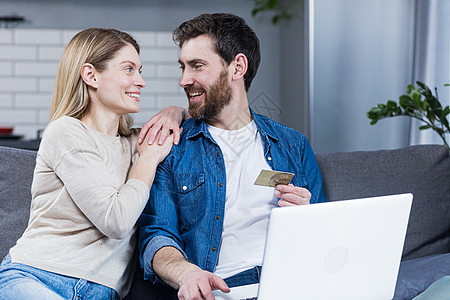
<point x="280" y="9"/>
<point x="420" y="103"/>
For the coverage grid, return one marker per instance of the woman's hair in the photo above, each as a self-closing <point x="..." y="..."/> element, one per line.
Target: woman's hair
<point x="231" y="36"/>
<point x="95" y="46"/>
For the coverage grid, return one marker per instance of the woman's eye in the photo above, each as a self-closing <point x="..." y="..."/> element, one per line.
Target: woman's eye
<point x="128" y="69"/>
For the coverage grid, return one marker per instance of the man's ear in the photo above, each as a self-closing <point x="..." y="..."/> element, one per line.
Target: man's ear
<point x="88" y="74"/>
<point x="240" y="65"/>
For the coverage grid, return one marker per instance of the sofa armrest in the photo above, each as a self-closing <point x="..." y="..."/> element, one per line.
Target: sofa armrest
<point x="16" y="175"/>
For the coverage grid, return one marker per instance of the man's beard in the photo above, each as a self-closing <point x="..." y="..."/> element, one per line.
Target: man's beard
<point x="216" y="97"/>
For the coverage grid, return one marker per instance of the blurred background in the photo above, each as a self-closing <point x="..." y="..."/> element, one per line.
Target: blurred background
<point x="322" y="69"/>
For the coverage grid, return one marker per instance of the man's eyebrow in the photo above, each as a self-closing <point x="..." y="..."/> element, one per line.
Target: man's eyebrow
<point x="192" y="61"/>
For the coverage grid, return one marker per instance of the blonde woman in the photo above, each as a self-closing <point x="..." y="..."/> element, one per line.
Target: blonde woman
<point x="91" y="180"/>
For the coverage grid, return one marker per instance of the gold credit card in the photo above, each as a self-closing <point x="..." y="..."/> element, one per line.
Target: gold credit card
<point x="273" y="178"/>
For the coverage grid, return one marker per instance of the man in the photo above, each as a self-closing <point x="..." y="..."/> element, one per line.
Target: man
<point x="205" y="219"/>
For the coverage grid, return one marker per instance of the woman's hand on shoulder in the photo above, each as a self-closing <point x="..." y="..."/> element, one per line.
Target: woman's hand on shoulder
<point x="162" y="125"/>
<point x="155" y="151"/>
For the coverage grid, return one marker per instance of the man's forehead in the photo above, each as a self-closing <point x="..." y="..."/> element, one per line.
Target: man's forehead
<point x="201" y="47"/>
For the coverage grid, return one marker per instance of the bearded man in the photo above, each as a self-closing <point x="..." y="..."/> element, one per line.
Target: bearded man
<point x="204" y="227"/>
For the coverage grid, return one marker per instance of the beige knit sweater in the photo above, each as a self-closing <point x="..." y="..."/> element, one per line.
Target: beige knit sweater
<point x="83" y="209"/>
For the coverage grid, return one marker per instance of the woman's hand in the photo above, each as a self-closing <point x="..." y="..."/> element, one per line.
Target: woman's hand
<point x="164" y="123"/>
<point x="155" y="151"/>
<point x="149" y="158"/>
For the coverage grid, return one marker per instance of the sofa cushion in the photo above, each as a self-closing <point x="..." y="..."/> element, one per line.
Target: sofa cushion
<point x="16" y="174"/>
<point x="421" y="170"/>
<point x="416" y="275"/>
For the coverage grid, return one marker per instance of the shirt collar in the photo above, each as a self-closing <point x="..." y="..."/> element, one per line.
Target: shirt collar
<point x="199" y="127"/>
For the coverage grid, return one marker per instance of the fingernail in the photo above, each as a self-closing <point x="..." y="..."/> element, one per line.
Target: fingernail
<point x="140" y="141"/>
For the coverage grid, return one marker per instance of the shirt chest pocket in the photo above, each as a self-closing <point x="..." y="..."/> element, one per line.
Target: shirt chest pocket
<point x="190" y="190"/>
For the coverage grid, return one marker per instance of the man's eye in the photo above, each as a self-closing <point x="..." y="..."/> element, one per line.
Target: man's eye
<point x="198" y="67"/>
<point x="128" y="69"/>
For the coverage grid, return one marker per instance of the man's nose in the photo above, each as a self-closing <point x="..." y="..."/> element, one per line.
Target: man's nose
<point x="186" y="79"/>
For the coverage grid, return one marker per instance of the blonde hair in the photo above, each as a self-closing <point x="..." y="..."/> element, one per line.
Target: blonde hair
<point x="95" y="46"/>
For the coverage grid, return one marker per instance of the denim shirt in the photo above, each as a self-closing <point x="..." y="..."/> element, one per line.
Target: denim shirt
<point x="187" y="199"/>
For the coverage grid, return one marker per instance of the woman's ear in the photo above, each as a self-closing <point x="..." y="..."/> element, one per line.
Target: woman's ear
<point x="88" y="74"/>
<point x="240" y="65"/>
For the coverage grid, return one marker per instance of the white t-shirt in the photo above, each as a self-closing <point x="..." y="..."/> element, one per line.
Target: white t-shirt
<point x="247" y="206"/>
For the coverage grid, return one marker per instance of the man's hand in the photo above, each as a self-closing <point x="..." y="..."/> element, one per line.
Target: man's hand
<point x="167" y="121"/>
<point x="199" y="284"/>
<point x="191" y="281"/>
<point x="292" y="195"/>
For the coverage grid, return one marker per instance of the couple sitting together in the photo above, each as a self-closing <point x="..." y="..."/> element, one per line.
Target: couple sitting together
<point x="184" y="196"/>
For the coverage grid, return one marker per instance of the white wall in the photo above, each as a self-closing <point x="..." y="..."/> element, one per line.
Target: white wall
<point x="363" y="56"/>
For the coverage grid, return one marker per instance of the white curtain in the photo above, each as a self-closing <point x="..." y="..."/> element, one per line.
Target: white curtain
<point x="431" y="58"/>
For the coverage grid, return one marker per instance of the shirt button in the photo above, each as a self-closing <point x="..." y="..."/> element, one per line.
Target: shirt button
<point x="269" y="158"/>
<point x="213" y="249"/>
<point x="220" y="184"/>
<point x="217" y="217"/>
<point x="184" y="187"/>
<point x="218" y="154"/>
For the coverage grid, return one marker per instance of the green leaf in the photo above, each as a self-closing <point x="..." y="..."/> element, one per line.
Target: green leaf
<point x="427" y="109"/>
<point x="275" y="19"/>
<point x="410" y="88"/>
<point x="447" y="110"/>
<point x="406" y="102"/>
<point x="416" y="96"/>
<point x="391" y="105"/>
<point x="424" y="127"/>
<point x="425" y="89"/>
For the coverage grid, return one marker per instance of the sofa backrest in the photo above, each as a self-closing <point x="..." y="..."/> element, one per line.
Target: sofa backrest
<point x="16" y="174"/>
<point x="421" y="170"/>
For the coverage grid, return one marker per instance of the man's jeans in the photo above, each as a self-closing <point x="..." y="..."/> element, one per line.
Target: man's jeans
<point x="245" y="277"/>
<point x="18" y="281"/>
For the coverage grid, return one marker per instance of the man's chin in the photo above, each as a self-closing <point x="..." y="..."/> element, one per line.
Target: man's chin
<point x="202" y="113"/>
<point x="197" y="115"/>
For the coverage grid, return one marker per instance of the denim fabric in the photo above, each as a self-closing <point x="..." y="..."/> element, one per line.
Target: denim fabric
<point x="187" y="200"/>
<point x="22" y="282"/>
<point x="246" y="277"/>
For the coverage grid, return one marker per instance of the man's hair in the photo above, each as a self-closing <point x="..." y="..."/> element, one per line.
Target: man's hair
<point x="231" y="36"/>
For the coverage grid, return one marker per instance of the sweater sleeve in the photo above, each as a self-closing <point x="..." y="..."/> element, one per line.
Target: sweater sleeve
<point x="112" y="207"/>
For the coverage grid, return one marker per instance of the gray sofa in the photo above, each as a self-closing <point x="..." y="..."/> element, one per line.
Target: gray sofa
<point x="423" y="171"/>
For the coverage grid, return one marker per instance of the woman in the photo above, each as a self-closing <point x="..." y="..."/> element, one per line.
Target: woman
<point x="91" y="180"/>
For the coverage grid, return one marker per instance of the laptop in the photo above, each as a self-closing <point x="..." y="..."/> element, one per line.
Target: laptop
<point x="348" y="249"/>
